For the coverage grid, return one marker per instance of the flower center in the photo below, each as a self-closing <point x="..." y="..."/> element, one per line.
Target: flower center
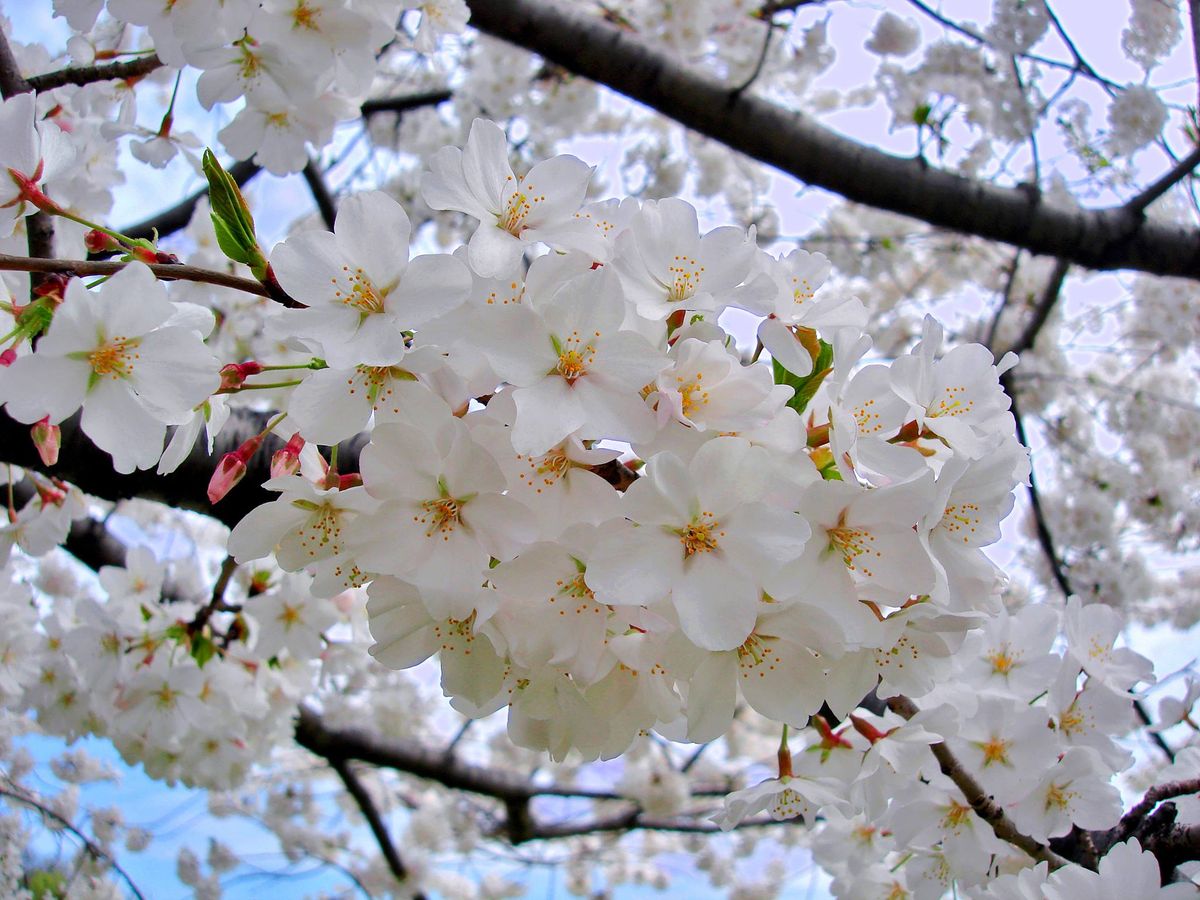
<point x="360" y="294"/>
<point x="853" y="544"/>
<point x="995" y="751"/>
<point x="951" y="403"/>
<point x="441" y="515"/>
<point x="574" y="357"/>
<point x="700" y="535"/>
<point x="691" y="394"/>
<point x="685" y="274"/>
<point x="115" y="359"/>
<point x="520" y="204"/>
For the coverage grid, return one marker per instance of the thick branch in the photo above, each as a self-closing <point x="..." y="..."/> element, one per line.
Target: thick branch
<point x="81" y="75"/>
<point x="1156" y="795"/>
<point x="792" y="142"/>
<point x="983" y="804"/>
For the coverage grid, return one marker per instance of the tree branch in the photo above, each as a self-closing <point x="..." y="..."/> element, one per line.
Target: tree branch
<point x="1108" y="238"/>
<point x="177" y="217"/>
<point x="1181" y="170"/>
<point x="81" y="75"/>
<point x="166" y="272"/>
<point x="366" y="805"/>
<point x="403" y="103"/>
<point x="315" y="179"/>
<point x="1156" y="795"/>
<point x="985" y="807"/>
<point x="93" y="849"/>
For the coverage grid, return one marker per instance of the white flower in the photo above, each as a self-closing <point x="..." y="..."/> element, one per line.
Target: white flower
<point x="703" y="536"/>
<point x="116" y="353"/>
<point x="783" y="798"/>
<point x="35" y="153"/>
<point x="361" y="290"/>
<point x="512" y="212"/>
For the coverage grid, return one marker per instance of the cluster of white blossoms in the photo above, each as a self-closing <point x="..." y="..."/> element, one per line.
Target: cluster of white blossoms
<point x="300" y="66"/>
<point x="799" y="535"/>
<point x="596" y="511"/>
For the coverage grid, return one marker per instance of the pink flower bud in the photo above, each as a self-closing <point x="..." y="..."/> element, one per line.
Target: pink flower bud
<point x="287" y="460"/>
<point x="47" y="438"/>
<point x="97" y="241"/>
<point x="229" y="471"/>
<point x="8" y="357"/>
<point x="234" y="375"/>
<point x="232" y="469"/>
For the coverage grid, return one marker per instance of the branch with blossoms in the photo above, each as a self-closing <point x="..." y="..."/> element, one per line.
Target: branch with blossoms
<point x="164" y="271"/>
<point x="1112" y="238"/>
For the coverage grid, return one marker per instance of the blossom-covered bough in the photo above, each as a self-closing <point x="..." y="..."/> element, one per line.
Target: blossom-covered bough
<point x="557" y="472"/>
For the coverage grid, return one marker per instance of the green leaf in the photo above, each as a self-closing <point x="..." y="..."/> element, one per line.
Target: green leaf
<point x="231" y="218"/>
<point x="177" y="632"/>
<point x="807" y="386"/>
<point x="203" y="649"/>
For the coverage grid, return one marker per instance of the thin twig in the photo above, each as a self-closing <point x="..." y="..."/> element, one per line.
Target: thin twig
<point x="1005" y="299"/>
<point x="1194" y="10"/>
<point x="978" y="38"/>
<point x="1045" y="304"/>
<point x="1081" y="64"/>
<point x="93" y="849"/>
<point x="81" y="75"/>
<point x="762" y="59"/>
<point x="370" y="812"/>
<point x="983" y="804"/>
<point x="170" y="272"/>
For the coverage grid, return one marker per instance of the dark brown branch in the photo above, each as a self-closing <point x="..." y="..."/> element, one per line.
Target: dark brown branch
<point x="171" y="272"/>
<point x="1156" y="795"/>
<point x="81" y="75"/>
<point x="315" y="179"/>
<point x="12" y="82"/>
<point x="177" y="217"/>
<point x="1099" y="239"/>
<point x="1181" y="170"/>
<point x="983" y="804"/>
<point x="403" y="103"/>
<point x="366" y="805"/>
<point x="1045" y="305"/>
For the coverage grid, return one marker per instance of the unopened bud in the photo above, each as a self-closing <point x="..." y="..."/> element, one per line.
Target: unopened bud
<point x="866" y="729"/>
<point x="232" y="469"/>
<point x="98" y="241"/>
<point x="234" y="375"/>
<point x="286" y="461"/>
<point x="47" y="438"/>
<point x="53" y="287"/>
<point x="8" y="357"/>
